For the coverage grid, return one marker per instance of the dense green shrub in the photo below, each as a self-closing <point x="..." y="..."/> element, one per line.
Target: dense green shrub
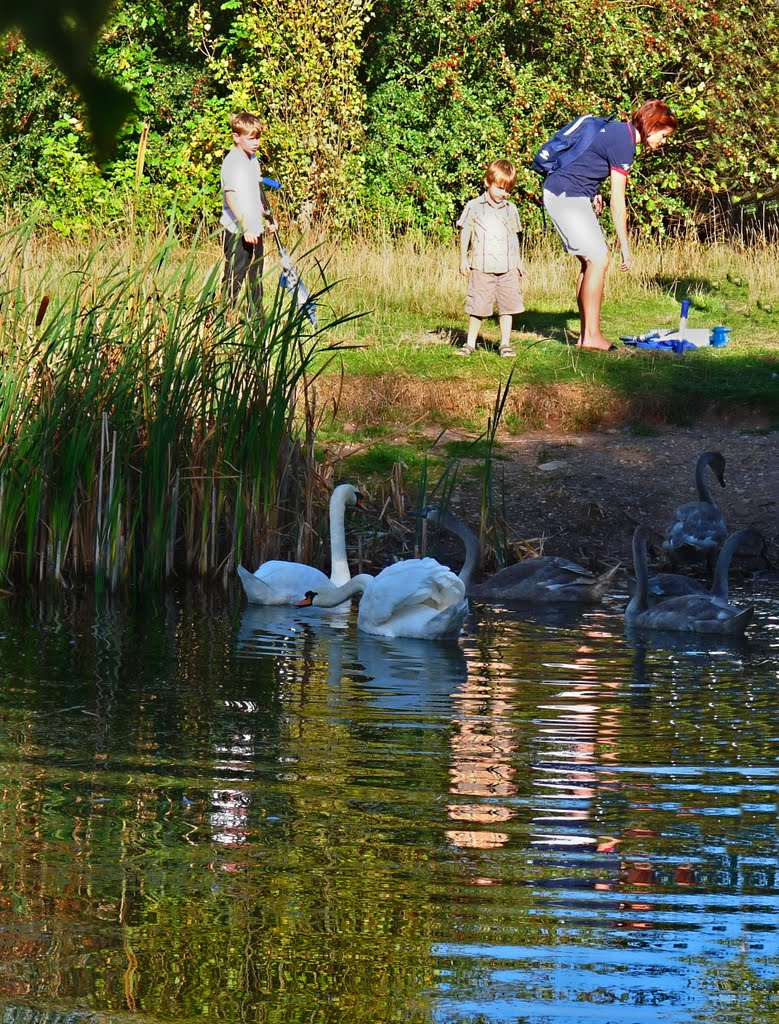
<point x="486" y="78"/>
<point x="384" y="112"/>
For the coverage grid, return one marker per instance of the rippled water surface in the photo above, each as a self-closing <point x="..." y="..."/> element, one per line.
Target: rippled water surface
<point x="216" y="813"/>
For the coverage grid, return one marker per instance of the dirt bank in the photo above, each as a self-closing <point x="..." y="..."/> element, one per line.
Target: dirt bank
<point x="581" y="495"/>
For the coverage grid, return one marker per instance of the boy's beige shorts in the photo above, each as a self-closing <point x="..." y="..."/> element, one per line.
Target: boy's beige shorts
<point x="485" y="291"/>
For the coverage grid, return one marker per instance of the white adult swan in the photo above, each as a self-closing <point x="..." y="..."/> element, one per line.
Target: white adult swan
<point x="418" y="598"/>
<point x="699" y="529"/>
<point x="690" y="613"/>
<point x="549" y="579"/>
<point x="279" y="582"/>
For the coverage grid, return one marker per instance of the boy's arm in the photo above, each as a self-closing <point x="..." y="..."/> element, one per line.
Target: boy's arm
<point x="465" y="225"/>
<point x="517" y="227"/>
<point x="465" y="241"/>
<point x="230" y="200"/>
<point x="522" y="269"/>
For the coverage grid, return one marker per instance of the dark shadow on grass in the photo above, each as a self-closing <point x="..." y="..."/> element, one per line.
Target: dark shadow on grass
<point x="548" y="326"/>
<point x="662" y="387"/>
<point x="553" y="326"/>
<point x="454" y="336"/>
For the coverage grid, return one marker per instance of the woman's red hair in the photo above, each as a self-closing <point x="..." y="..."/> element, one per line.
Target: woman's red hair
<point x="653" y="116"/>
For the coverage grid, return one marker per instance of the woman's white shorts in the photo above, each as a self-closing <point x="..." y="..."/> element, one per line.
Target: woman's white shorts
<point x="577" y="225"/>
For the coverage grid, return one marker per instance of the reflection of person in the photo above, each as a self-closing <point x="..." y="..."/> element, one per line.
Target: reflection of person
<point x="243" y="216"/>
<point x="573" y="201"/>
<point x="482" y="774"/>
<point x="489" y="256"/>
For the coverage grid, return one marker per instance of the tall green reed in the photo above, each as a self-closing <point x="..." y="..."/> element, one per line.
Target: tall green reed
<point x="145" y="427"/>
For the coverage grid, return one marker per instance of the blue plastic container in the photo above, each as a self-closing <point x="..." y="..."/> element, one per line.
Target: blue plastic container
<point x="719" y="336"/>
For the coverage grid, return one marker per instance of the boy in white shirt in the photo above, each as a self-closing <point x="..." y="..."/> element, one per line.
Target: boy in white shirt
<point x="243" y="216"/>
<point x="489" y="256"/>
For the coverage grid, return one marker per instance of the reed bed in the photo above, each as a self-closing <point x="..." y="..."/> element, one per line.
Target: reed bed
<point x="146" y="428"/>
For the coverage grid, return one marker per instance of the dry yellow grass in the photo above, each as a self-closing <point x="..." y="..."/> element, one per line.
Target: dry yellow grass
<point x="419" y="274"/>
<point x="422" y="276"/>
<point x="408" y="401"/>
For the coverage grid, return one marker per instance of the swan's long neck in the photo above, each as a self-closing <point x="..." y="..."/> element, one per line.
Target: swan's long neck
<point x="639" y="602"/>
<point x="702" y="483"/>
<point x="340" y="572"/>
<point x="468" y="537"/>
<point x="720" y="586"/>
<point x="337" y="595"/>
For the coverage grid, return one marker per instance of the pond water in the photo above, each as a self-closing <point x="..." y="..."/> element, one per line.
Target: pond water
<point x="214" y="813"/>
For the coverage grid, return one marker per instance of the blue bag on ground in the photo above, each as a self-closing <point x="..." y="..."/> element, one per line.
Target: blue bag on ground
<point x="568" y="144"/>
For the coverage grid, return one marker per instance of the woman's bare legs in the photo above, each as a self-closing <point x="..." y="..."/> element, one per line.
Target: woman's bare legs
<point x="589" y="299"/>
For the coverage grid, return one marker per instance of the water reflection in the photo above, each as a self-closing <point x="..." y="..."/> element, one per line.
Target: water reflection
<point x="211" y="812"/>
<point x="410" y="675"/>
<point x="482" y="770"/>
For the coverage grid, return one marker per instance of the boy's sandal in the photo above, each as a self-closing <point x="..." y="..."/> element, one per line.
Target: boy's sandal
<point x="507" y="352"/>
<point x="466" y="350"/>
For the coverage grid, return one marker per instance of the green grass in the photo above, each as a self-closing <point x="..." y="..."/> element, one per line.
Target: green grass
<point x="413" y="300"/>
<point x="401" y="381"/>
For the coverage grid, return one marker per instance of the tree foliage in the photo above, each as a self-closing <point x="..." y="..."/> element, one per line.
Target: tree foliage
<point x="381" y="111"/>
<point x="68" y="33"/>
<point x="488" y="78"/>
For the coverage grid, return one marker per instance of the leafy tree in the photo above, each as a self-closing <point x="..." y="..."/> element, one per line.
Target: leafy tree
<point x="377" y="110"/>
<point x="489" y="73"/>
<point x="67" y="33"/>
<point x="295" y="63"/>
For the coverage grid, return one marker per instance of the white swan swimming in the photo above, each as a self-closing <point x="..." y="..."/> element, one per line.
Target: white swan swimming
<point x="690" y="613"/>
<point x="418" y="598"/>
<point x="548" y="579"/>
<point x="279" y="582"/>
<point x="699" y="529"/>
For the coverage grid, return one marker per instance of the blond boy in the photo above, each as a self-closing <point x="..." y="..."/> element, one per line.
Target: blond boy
<point x="243" y="216"/>
<point x="489" y="256"/>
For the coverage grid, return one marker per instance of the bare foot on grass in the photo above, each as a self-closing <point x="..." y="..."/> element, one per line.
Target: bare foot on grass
<point x="596" y="342"/>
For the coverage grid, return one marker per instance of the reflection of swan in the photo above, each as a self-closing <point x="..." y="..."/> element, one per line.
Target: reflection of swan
<point x="689" y="654"/>
<point x="279" y="582"/>
<point x="669" y="584"/>
<point x="291" y="641"/>
<point x="699" y="528"/>
<point x="548" y="579"/>
<point x="409" y="674"/>
<point x="694" y="613"/>
<point x="417" y="597"/>
<point x="284" y="621"/>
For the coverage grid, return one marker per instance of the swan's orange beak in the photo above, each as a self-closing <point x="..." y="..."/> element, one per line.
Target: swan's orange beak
<point x="307" y="601"/>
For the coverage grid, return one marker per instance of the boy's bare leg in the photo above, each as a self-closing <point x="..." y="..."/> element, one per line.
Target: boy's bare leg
<point x="474" y="326"/>
<point x="589" y="298"/>
<point x="506" y="323"/>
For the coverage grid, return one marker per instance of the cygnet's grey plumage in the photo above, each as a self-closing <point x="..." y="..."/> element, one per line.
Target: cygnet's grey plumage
<point x="671" y="584"/>
<point x="690" y="613"/>
<point x="548" y="579"/>
<point x="698" y="529"/>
